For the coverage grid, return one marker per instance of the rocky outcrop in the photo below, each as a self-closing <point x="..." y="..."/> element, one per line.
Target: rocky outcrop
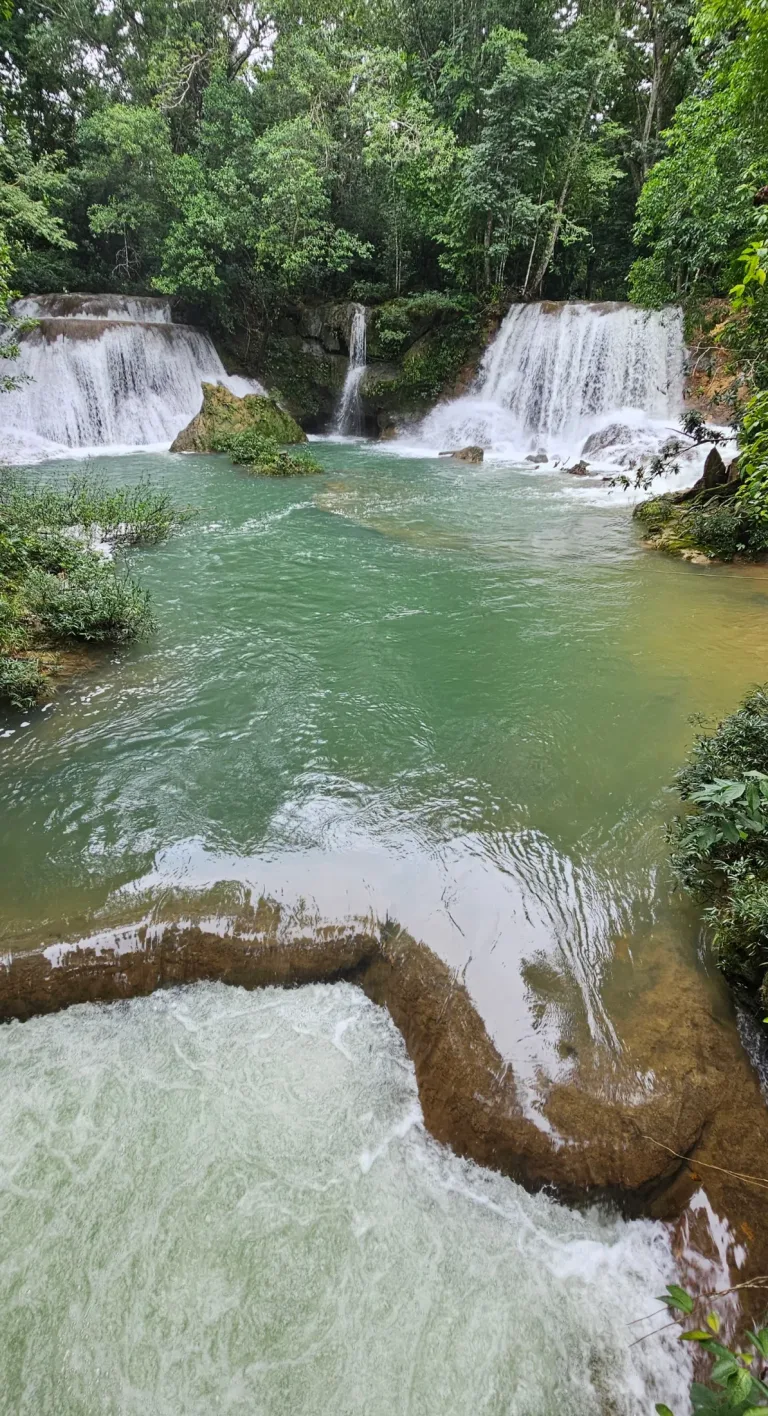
<point x="419" y="348"/>
<point x="466" y="454"/>
<point x="222" y="414"/>
<point x="601" y="1139"/>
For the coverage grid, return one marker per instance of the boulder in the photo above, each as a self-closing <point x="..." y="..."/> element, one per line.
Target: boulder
<point x="715" y="473"/>
<point x="538" y="457"/>
<point x="466" y="454"/>
<point x="579" y="469"/>
<point x="613" y="435"/>
<point x="222" y="413"/>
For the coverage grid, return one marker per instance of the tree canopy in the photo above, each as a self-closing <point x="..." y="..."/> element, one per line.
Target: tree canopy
<point x="241" y="153"/>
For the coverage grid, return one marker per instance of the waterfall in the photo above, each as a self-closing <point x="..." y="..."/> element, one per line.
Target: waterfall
<point x="570" y="379"/>
<point x="349" y="415"/>
<point x="105" y="371"/>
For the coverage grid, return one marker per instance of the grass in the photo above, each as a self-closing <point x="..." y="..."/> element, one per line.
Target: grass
<point x="56" y="585"/>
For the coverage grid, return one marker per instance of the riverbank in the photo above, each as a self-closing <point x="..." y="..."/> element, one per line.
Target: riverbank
<point x="59" y="585"/>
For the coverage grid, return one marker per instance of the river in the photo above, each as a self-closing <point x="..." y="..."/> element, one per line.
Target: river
<point x="452" y="697"/>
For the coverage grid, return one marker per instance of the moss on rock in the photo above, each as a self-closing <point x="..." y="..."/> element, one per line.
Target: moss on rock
<point x="712" y="526"/>
<point x="222" y="415"/>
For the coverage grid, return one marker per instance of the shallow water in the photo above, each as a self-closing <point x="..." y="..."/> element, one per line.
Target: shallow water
<point x="214" y="1200"/>
<point x="451" y="695"/>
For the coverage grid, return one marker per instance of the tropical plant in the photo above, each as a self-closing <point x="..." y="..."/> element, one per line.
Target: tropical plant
<point x="738" y="1386"/>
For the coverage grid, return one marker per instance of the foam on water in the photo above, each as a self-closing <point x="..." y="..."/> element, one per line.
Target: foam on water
<point x="219" y="1200"/>
<point x="105" y="373"/>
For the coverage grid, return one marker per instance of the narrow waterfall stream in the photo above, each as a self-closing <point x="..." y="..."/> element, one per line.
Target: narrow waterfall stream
<point x="349" y="417"/>
<point x="569" y="380"/>
<point x="105" y="372"/>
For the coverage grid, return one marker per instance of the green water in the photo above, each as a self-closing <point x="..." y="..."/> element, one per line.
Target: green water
<point x="452" y="695"/>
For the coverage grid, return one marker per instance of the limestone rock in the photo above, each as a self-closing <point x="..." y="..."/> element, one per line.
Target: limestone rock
<point x="715" y="473"/>
<point x="223" y="413"/>
<point x="613" y="435"/>
<point x="466" y="454"/>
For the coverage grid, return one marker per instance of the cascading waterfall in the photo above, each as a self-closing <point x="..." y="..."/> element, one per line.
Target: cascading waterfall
<point x="349" y="417"/>
<point x="571" y="379"/>
<point x="105" y="371"/>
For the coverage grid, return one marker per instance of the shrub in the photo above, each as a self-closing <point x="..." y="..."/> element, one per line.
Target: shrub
<point x="138" y="515"/>
<point x="263" y="457"/>
<point x="737" y="1376"/>
<point x="91" y="603"/>
<point x="53" y="586"/>
<point x="727" y="529"/>
<point x="720" y="849"/>
<point x="22" y="681"/>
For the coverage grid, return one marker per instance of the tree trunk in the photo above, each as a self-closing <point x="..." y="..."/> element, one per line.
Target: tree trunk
<point x="487" y="250"/>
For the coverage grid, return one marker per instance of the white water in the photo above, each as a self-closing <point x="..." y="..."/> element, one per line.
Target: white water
<point x="144" y="309"/>
<point x="603" y="381"/>
<point x="220" y="1200"/>
<point x="349" y="416"/>
<point x="98" y="378"/>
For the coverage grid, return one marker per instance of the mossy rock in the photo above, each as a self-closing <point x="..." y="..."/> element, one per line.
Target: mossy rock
<point x="222" y="414"/>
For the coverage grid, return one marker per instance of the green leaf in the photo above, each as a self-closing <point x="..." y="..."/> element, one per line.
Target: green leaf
<point x="676" y="1297"/>
<point x="696" y="1335"/>
<point x="740" y="1385"/>
<point x="713" y="1322"/>
<point x="760" y="1339"/>
<point x="724" y="1369"/>
<point x="662" y="1410"/>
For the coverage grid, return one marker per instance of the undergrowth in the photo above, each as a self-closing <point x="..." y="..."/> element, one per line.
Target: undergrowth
<point x="264" y="457"/>
<point x="720" y="848"/>
<point x="57" y="585"/>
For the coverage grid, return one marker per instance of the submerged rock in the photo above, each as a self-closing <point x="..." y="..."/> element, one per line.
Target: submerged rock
<point x="223" y="414"/>
<point x="466" y="454"/>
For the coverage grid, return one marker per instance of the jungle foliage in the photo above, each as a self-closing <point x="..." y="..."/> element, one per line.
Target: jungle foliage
<point x="241" y="155"/>
<point x="720" y="848"/>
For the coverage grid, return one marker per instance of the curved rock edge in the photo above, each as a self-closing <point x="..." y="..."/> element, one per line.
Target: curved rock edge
<point x="466" y="1089"/>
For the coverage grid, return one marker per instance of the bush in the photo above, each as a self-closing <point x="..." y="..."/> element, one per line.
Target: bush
<point x="138" y="515"/>
<point x="54" y="587"/>
<point x="22" y="681"/>
<point x="720" y="528"/>
<point x="727" y="529"/>
<point x="720" y="849"/>
<point x="264" y="457"/>
<point x="737" y="1376"/>
<point x="91" y="603"/>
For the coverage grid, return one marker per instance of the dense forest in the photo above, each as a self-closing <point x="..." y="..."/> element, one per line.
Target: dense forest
<point x="242" y="157"/>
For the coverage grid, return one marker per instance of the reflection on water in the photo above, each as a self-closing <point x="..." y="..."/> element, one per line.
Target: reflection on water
<point x="466" y="721"/>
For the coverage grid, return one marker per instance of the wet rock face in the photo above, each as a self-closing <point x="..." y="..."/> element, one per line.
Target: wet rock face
<point x="419" y="348"/>
<point x="597" y="1138"/>
<point x="614" y="435"/>
<point x="466" y="454"/>
<point x="222" y="413"/>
